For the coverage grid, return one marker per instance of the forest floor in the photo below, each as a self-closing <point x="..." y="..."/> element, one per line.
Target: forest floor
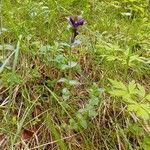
<point x="92" y="94"/>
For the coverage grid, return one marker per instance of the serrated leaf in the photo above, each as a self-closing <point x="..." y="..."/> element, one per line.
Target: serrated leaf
<point x="141" y="110"/>
<point x="143" y="114"/>
<point x="120" y="93"/>
<point x="59" y="58"/>
<point x="133" y="107"/>
<point x="141" y="90"/>
<point x="148" y="97"/>
<point x="118" y="84"/>
<point x="132" y="87"/>
<point x="146" y="107"/>
<point x="45" y="48"/>
<point x="127" y="98"/>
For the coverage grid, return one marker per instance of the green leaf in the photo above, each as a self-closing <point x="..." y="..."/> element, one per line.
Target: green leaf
<point x="132" y="87"/>
<point x="72" y="64"/>
<point x="86" y="108"/>
<point x="63" y="67"/>
<point x="118" y="84"/>
<point x="133" y="107"/>
<point x="63" y="80"/>
<point x="92" y="113"/>
<point x="73" y="82"/>
<point x="135" y="129"/>
<point x="94" y="101"/>
<point x="128" y="99"/>
<point x="143" y="114"/>
<point x="141" y="110"/>
<point x="141" y="90"/>
<point x="83" y="123"/>
<point x="119" y="93"/>
<point x="45" y="49"/>
<point x="146" y="143"/>
<point x="148" y="97"/>
<point x="146" y="107"/>
<point x="69" y="65"/>
<point x="82" y="120"/>
<point x="66" y="94"/>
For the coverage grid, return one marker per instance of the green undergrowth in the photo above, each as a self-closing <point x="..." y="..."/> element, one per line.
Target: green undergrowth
<point x="96" y="97"/>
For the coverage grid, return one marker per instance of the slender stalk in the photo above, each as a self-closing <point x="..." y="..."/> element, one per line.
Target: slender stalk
<point x="73" y="36"/>
<point x="70" y="57"/>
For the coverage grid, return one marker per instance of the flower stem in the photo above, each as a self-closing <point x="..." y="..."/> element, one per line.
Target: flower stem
<point x="70" y="53"/>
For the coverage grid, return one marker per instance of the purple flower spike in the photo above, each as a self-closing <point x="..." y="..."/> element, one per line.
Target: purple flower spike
<point x="75" y="22"/>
